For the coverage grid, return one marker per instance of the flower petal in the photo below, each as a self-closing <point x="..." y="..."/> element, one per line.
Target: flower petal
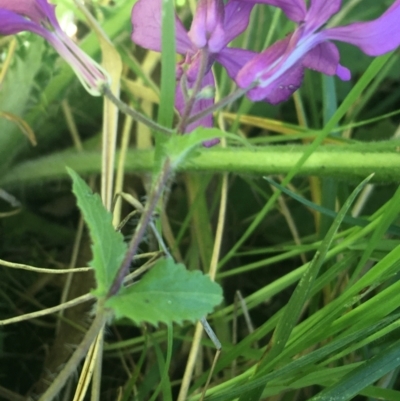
<point x="343" y="73"/>
<point x="12" y="23"/>
<point x="234" y="59"/>
<point x="263" y="64"/>
<point x="320" y="11"/>
<point x="237" y="16"/>
<point x="373" y="37"/>
<point x="294" y="9"/>
<point x="207" y="29"/>
<point x="33" y="9"/>
<point x="277" y="71"/>
<point x="323" y="58"/>
<point x="146" y="22"/>
<point x="281" y="88"/>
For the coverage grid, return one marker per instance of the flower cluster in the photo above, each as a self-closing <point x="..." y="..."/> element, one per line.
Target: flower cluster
<point x="214" y="26"/>
<point x="38" y="16"/>
<point x="271" y="75"/>
<point x="275" y="73"/>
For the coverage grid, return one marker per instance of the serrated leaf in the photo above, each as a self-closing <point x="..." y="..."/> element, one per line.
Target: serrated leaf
<point x="167" y="293"/>
<point x="108" y="245"/>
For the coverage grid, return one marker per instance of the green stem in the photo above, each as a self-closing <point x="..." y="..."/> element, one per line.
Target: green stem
<point x="135" y="115"/>
<point x="350" y="162"/>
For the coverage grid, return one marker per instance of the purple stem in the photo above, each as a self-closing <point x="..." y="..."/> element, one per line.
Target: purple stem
<point x="144" y="221"/>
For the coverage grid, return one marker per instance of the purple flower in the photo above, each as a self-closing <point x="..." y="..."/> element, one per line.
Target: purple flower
<point x="214" y="26"/>
<point x="38" y="16"/>
<point x="278" y="71"/>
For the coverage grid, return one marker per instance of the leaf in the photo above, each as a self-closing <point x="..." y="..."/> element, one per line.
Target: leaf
<point x="108" y="245"/>
<point x="361" y="377"/>
<point x="167" y="293"/>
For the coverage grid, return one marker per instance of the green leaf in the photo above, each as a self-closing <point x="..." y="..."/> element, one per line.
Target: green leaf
<point x="167" y="293"/>
<point x="108" y="245"/>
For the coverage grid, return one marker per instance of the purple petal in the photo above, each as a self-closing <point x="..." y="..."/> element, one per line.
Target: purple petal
<point x="12" y="23"/>
<point x="320" y="11"/>
<point x="207" y="28"/>
<point x="262" y="64"/>
<point x="278" y="70"/>
<point x="325" y="58"/>
<point x="373" y="37"/>
<point x="199" y="105"/>
<point x="35" y="10"/>
<point x="294" y="9"/>
<point x="234" y="59"/>
<point x="40" y="12"/>
<point x="237" y="15"/>
<point x="281" y="88"/>
<point x="343" y="73"/>
<point x="322" y="58"/>
<point x="146" y="23"/>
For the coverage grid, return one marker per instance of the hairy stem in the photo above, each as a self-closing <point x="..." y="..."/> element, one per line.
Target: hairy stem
<point x="345" y="162"/>
<point x="144" y="222"/>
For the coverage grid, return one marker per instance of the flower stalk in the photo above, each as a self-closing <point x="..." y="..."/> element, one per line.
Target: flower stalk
<point x="135" y="115"/>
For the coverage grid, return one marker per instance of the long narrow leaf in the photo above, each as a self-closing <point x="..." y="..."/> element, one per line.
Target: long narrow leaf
<point x="301" y="294"/>
<point x="363" y="376"/>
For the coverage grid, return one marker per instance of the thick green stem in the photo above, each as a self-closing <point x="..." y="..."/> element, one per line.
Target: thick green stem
<point x="346" y="162"/>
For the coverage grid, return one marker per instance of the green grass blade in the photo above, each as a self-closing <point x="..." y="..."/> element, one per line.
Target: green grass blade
<point x="363" y="376"/>
<point x="390" y="214"/>
<point x="301" y="294"/>
<point x="167" y="95"/>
